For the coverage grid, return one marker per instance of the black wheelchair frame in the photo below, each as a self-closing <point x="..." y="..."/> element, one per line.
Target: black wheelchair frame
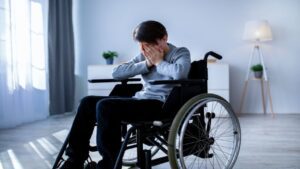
<point x="155" y="133"/>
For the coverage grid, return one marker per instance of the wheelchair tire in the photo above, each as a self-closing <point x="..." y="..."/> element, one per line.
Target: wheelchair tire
<point x="204" y="133"/>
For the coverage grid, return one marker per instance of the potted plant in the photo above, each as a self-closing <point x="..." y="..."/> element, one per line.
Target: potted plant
<point x="258" y="70"/>
<point x="109" y="56"/>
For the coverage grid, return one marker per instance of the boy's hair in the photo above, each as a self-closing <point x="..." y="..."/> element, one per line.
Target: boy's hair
<point x="149" y="31"/>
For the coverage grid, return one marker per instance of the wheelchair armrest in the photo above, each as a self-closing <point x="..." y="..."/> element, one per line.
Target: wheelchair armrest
<point x="178" y="82"/>
<point x="124" y="81"/>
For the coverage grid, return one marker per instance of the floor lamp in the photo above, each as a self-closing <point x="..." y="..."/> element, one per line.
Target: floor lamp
<point x="257" y="31"/>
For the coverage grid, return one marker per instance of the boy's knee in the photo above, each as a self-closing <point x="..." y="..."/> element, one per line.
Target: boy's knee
<point x="104" y="108"/>
<point x="86" y="100"/>
<point x="87" y="105"/>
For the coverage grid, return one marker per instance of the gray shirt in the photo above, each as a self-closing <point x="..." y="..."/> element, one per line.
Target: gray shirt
<point x="175" y="66"/>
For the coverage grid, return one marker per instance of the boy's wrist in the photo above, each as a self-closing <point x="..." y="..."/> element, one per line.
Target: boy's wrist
<point x="149" y="64"/>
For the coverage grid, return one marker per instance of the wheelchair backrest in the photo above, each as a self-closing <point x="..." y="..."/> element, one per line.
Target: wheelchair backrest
<point x="181" y="94"/>
<point x="198" y="70"/>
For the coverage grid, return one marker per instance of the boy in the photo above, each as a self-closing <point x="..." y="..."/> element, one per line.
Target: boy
<point x="158" y="60"/>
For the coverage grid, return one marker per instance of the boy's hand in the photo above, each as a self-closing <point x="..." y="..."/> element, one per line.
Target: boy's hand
<point x="148" y="62"/>
<point x="153" y="54"/>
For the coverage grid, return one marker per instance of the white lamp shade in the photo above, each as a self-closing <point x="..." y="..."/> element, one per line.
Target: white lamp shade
<point x="258" y="30"/>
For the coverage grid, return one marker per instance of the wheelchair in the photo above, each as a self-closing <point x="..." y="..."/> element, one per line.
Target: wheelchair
<point x="205" y="132"/>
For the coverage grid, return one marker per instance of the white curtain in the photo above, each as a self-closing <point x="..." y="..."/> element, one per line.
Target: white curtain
<point x="23" y="89"/>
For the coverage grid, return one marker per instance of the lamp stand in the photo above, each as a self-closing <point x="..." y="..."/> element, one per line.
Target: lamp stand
<point x="263" y="80"/>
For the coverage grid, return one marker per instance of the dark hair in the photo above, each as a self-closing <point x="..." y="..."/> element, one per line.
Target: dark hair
<point x="149" y="31"/>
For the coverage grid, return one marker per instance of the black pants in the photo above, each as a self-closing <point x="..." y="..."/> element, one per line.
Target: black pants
<point x="108" y="112"/>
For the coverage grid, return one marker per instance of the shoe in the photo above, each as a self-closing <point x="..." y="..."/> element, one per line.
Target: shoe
<point x="72" y="164"/>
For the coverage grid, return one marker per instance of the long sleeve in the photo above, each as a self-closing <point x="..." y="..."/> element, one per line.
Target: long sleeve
<point x="134" y="67"/>
<point x="180" y="67"/>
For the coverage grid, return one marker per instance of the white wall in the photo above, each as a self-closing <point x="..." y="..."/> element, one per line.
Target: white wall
<point x="201" y="26"/>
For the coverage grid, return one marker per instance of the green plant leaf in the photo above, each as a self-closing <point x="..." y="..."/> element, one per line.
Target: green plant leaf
<point x="257" y="67"/>
<point x="109" y="54"/>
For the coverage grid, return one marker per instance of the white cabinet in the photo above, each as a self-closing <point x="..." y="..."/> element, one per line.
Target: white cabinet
<point x="100" y="72"/>
<point x="218" y="79"/>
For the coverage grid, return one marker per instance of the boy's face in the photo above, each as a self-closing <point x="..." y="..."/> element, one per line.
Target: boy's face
<point x="160" y="44"/>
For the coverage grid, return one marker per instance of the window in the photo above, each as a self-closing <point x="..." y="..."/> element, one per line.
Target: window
<point x="38" y="63"/>
<point x="22" y="43"/>
<point x="4" y="25"/>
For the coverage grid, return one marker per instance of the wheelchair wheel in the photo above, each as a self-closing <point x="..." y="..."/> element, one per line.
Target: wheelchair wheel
<point x="204" y="134"/>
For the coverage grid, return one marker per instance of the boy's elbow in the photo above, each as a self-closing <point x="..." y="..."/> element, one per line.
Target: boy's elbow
<point x="116" y="76"/>
<point x="181" y="73"/>
<point x="180" y="76"/>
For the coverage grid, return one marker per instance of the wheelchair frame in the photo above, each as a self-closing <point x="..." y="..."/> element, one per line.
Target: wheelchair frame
<point x="187" y="107"/>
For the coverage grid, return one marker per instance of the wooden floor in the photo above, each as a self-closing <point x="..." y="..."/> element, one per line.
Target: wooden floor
<point x="267" y="143"/>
